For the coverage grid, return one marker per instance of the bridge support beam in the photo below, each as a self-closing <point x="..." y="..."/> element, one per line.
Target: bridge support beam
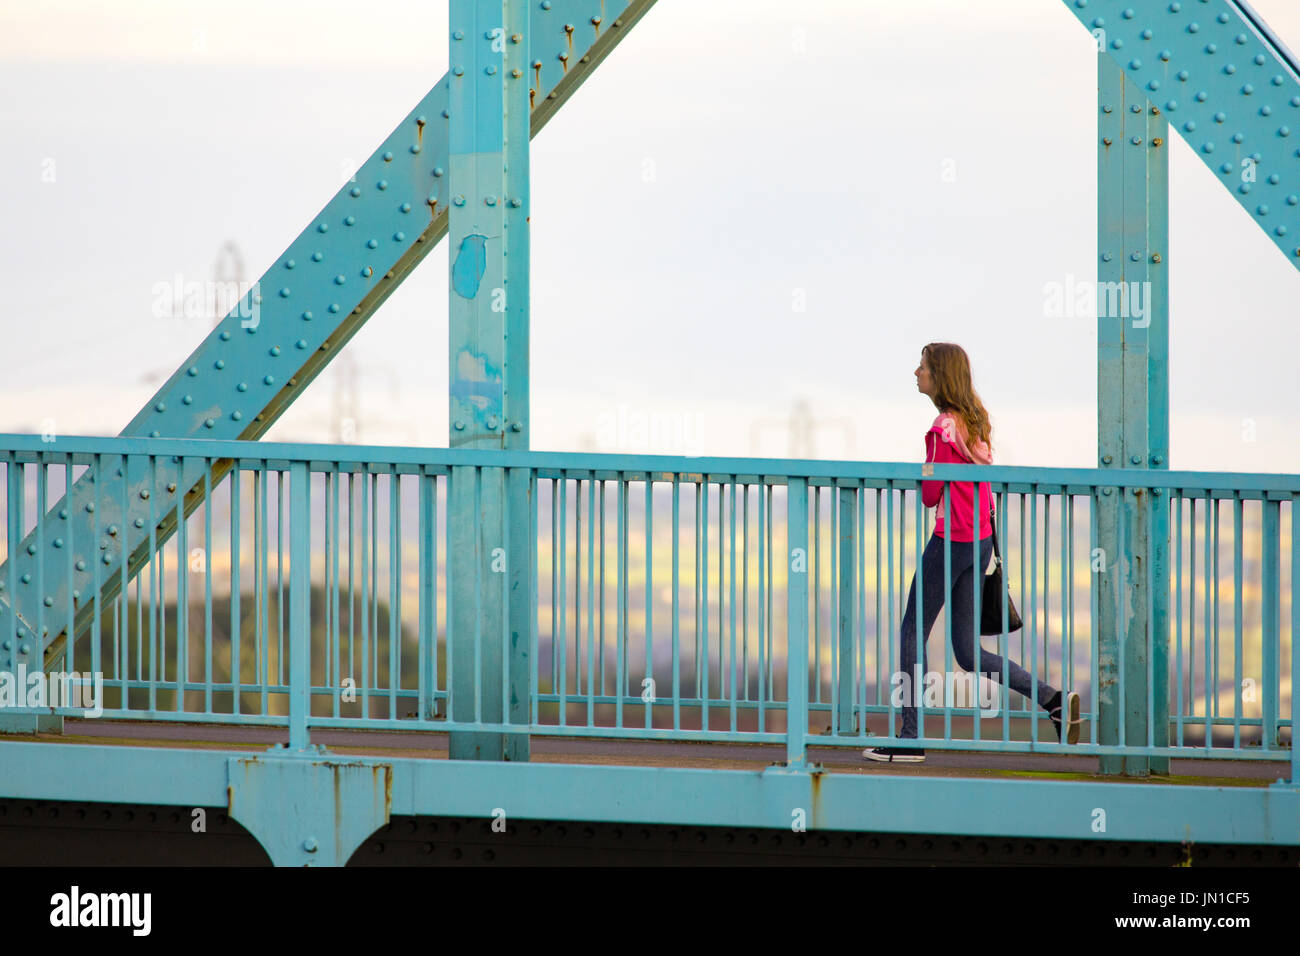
<point x="1132" y="419"/>
<point x="309" y="812"/>
<point x="489" y="624"/>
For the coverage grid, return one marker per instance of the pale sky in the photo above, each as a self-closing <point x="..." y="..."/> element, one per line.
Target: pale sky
<point x="796" y="155"/>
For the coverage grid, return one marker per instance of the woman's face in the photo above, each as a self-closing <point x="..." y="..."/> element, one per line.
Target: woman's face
<point x="924" y="384"/>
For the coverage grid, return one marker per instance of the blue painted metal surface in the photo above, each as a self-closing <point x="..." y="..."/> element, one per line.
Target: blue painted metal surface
<point x="305" y="810"/>
<point x="877" y="803"/>
<point x="1132" y="407"/>
<point x="488" y="375"/>
<point x="261" y="356"/>
<point x="1228" y="89"/>
<point x="479" y="664"/>
<point x="163" y="660"/>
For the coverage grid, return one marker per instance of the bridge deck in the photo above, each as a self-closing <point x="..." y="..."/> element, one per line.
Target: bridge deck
<point x="613" y="752"/>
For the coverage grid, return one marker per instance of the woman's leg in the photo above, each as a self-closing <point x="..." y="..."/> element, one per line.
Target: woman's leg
<point x="964" y="637"/>
<point x="932" y="581"/>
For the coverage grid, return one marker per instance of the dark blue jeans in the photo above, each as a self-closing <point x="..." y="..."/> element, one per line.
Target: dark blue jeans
<point x="964" y="637"/>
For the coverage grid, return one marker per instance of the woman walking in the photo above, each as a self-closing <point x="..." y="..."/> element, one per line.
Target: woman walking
<point x="959" y="435"/>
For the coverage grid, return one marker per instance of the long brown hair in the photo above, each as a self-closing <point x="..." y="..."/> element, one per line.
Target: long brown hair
<point x="953" y="392"/>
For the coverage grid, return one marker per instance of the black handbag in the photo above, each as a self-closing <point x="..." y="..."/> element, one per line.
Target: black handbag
<point x="991" y="602"/>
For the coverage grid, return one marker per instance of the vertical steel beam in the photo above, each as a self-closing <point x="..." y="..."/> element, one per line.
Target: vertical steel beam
<point x="488" y="380"/>
<point x="1132" y="417"/>
<point x="1295" y="638"/>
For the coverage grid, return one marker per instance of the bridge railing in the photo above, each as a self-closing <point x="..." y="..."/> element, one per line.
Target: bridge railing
<point x="669" y="597"/>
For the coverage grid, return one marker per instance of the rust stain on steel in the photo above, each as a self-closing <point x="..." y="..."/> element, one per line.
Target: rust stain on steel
<point x="419" y="131"/>
<point x="433" y="208"/>
<point x="815" y="782"/>
<point x="532" y="97"/>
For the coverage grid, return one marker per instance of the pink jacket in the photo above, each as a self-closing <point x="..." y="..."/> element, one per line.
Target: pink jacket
<point x="945" y="443"/>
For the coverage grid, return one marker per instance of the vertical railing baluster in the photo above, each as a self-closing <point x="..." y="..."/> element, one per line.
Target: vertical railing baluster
<point x="207" y="585"/>
<point x="1150" y="707"/>
<point x="764" y="586"/>
<point x="677" y="677"/>
<point x="947" y="618"/>
<point x="977" y="579"/>
<point x="428" y="642"/>
<point x="300" y="610"/>
<point x="577" y="588"/>
<point x="846" y="584"/>
<point x="649" y="602"/>
<point x="96" y="626"/>
<point x="236" y="618"/>
<point x="1209" y="665"/>
<point x="703" y="637"/>
<point x="1177" y="504"/>
<point x="394" y="590"/>
<point x="620" y="622"/>
<point x="373" y="478"/>
<point x="557" y="560"/>
<point x="1237" y="550"/>
<point x="796" y="619"/>
<point x="591" y="602"/>
<point x="744" y="587"/>
<point x="1295" y="636"/>
<point x="815" y="587"/>
<point x="1003" y="694"/>
<point x="601" y="651"/>
<point x="562" y="599"/>
<point x="731" y="693"/>
<point x="1031" y="614"/>
<point x="182" y="596"/>
<point x="1270" y="616"/>
<point x="917" y="677"/>
<point x="279" y="578"/>
<point x="364" y="574"/>
<point x="894" y="662"/>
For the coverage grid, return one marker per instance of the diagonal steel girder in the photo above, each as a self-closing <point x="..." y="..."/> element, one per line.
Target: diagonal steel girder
<point x="1227" y="85"/>
<point x="261" y="357"/>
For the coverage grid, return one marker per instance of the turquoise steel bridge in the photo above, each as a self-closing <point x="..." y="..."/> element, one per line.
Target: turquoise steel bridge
<point x="485" y="599"/>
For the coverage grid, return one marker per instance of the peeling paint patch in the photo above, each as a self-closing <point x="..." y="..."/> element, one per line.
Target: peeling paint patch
<point x="471" y="263"/>
<point x="476" y="381"/>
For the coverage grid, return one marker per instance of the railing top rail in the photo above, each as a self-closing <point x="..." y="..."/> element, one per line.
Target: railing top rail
<point x="358" y="457"/>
